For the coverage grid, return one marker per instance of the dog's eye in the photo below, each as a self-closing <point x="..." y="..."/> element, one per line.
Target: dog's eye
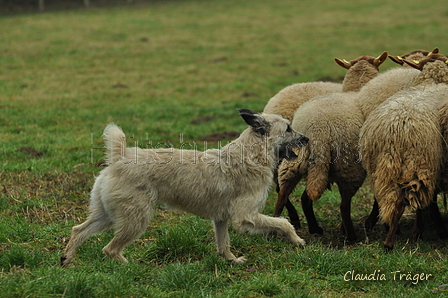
<point x="288" y="129"/>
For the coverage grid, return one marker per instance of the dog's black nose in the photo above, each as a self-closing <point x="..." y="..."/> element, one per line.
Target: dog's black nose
<point x="302" y="141"/>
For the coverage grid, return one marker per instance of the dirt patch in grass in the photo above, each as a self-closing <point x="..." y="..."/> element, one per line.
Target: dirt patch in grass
<point x="30" y="151"/>
<point x="200" y="120"/>
<point x="46" y="197"/>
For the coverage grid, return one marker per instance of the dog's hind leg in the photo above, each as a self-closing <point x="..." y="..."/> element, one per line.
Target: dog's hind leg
<point x="97" y="222"/>
<point x="258" y="223"/>
<point x="130" y="223"/>
<point x="223" y="241"/>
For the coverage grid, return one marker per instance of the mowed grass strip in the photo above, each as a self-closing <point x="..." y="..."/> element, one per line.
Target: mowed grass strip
<point x="174" y="72"/>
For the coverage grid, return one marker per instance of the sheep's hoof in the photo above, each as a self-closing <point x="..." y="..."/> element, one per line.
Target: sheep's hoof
<point x="369" y="224"/>
<point x="417" y="234"/>
<point x="296" y="224"/>
<point x="388" y="249"/>
<point x="351" y="238"/>
<point x="443" y="235"/>
<point x="316" y="230"/>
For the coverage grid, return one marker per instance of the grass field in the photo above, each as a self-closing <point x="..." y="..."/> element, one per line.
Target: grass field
<point x="173" y="72"/>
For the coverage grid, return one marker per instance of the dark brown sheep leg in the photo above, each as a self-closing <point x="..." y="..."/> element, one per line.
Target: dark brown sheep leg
<point x="307" y="206"/>
<point x="398" y="212"/>
<point x="437" y="219"/>
<point x="373" y="217"/>
<point x="417" y="230"/>
<point x="347" y="192"/>
<point x="283" y="200"/>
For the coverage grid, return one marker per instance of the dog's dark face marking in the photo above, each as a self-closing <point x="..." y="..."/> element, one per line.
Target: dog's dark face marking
<point x="262" y="126"/>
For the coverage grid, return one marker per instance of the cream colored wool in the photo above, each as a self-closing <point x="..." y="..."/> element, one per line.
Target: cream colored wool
<point x="290" y="98"/>
<point x="390" y="82"/>
<point x="332" y="123"/>
<point x="287" y="100"/>
<point x="359" y="74"/>
<point x="384" y="86"/>
<point x="402" y="148"/>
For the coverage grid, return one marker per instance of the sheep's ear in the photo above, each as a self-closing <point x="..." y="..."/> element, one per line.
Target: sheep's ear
<point x="435" y="51"/>
<point x="258" y="123"/>
<point x="397" y="59"/>
<point x="344" y="63"/>
<point x="380" y="59"/>
<point x="415" y="64"/>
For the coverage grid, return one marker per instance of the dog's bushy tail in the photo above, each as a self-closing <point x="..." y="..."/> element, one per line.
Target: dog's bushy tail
<point x="115" y="141"/>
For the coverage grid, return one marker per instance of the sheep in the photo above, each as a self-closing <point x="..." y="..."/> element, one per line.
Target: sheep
<point x="390" y="82"/>
<point x="384" y="86"/>
<point x="332" y="123"/>
<point x="285" y="103"/>
<point x="349" y="177"/>
<point x="360" y="70"/>
<point x="414" y="55"/>
<point x="402" y="147"/>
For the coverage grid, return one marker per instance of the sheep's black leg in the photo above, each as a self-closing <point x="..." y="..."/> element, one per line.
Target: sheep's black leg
<point x="347" y="191"/>
<point x="292" y="214"/>
<point x="373" y="217"/>
<point x="307" y="206"/>
<point x="437" y="219"/>
<point x="398" y="212"/>
<point x="417" y="230"/>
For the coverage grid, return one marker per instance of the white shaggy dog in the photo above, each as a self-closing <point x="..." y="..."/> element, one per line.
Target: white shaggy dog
<point x="227" y="184"/>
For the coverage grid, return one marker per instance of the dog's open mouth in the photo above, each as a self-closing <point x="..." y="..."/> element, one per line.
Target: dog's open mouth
<point x="285" y="149"/>
<point x="302" y="141"/>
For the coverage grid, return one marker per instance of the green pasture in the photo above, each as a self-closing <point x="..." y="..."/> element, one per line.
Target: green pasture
<point x="174" y="72"/>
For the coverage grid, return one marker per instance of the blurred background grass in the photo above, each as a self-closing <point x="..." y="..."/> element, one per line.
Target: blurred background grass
<point x="153" y="68"/>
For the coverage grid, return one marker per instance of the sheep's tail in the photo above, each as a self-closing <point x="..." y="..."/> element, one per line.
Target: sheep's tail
<point x="388" y="184"/>
<point x="318" y="175"/>
<point x="418" y="195"/>
<point x="115" y="141"/>
<point x="293" y="169"/>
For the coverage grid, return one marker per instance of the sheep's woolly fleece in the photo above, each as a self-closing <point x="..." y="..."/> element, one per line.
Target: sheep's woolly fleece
<point x="402" y="148"/>
<point x="287" y="100"/>
<point x="384" y="86"/>
<point x="332" y="123"/>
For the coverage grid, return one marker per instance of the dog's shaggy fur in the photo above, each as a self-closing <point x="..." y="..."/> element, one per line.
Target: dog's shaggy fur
<point x="227" y="184"/>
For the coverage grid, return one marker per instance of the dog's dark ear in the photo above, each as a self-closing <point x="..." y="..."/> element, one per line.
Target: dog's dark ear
<point x="255" y="120"/>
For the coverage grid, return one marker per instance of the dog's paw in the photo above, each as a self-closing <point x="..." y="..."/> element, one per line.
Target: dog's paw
<point x="301" y="242"/>
<point x="240" y="260"/>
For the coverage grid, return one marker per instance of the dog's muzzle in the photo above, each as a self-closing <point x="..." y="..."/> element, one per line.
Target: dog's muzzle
<point x="300" y="142"/>
<point x="285" y="149"/>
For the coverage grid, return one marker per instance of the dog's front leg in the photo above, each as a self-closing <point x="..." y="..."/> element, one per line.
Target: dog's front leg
<point x="258" y="223"/>
<point x="223" y="241"/>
